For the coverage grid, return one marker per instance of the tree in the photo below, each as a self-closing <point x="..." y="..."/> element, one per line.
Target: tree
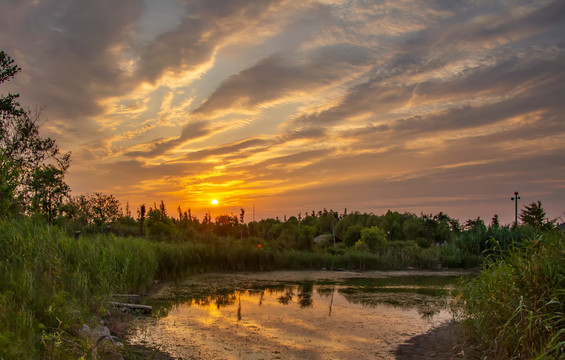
<point x="141" y="218"/>
<point x="534" y="216"/>
<point x="352" y="234"/>
<point x="8" y="185"/>
<point x="225" y="224"/>
<point x="159" y="225"/>
<point x="374" y="237"/>
<point x="495" y="223"/>
<point x="105" y="208"/>
<point x="8" y="70"/>
<point x="93" y="209"/>
<point x="27" y="160"/>
<point x="48" y="189"/>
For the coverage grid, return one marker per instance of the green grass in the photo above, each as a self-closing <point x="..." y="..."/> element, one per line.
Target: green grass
<point x="50" y="284"/>
<point x="516" y="307"/>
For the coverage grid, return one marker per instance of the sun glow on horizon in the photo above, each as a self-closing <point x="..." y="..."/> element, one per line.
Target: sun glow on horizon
<point x="214" y="202"/>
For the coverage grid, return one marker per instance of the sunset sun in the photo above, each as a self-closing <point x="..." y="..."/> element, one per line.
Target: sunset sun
<point x="214" y="202"/>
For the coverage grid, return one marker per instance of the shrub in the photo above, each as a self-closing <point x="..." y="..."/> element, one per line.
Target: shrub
<point x="374" y="237"/>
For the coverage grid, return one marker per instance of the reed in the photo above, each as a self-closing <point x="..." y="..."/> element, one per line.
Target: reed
<point x="50" y="284"/>
<point x="516" y="306"/>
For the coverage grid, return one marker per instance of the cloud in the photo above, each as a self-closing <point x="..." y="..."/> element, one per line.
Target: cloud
<point x="232" y="150"/>
<point x="198" y="35"/>
<point x="158" y="147"/>
<point x="362" y="104"/>
<point x="66" y="50"/>
<point x="280" y="76"/>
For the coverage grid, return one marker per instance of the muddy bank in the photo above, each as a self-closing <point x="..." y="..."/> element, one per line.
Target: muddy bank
<point x="444" y="342"/>
<point x="337" y="322"/>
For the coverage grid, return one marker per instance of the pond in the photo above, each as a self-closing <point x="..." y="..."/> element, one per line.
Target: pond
<point x="295" y="314"/>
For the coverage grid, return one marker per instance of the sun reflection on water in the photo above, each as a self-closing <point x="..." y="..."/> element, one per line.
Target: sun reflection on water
<point x="345" y="320"/>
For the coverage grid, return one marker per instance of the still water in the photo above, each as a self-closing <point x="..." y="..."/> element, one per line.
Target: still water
<point x="295" y="315"/>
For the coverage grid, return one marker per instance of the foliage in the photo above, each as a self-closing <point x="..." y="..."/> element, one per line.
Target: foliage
<point x="50" y="284"/>
<point x="516" y="306"/>
<point x="159" y="225"/>
<point x="534" y="216"/>
<point x="32" y="167"/>
<point x="374" y="237"/>
<point x="48" y="188"/>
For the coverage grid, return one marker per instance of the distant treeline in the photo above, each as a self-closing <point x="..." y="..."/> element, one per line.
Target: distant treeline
<point x="444" y="239"/>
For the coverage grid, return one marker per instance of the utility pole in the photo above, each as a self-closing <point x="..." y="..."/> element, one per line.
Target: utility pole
<point x="515" y="199"/>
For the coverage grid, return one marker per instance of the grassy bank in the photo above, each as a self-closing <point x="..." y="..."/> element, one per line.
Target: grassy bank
<point x="516" y="307"/>
<point x="51" y="284"/>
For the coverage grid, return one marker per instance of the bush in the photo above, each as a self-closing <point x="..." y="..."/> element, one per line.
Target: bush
<point x="374" y="237"/>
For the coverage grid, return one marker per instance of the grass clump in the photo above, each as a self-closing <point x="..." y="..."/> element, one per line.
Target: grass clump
<point x="516" y="307"/>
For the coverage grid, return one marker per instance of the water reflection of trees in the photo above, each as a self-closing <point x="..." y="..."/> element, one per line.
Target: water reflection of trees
<point x="428" y="301"/>
<point x="286" y="298"/>
<point x="427" y="306"/>
<point x="305" y="296"/>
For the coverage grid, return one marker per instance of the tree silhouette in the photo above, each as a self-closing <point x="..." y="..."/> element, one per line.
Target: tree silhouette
<point x="141" y="214"/>
<point x="534" y="216"/>
<point x="28" y="161"/>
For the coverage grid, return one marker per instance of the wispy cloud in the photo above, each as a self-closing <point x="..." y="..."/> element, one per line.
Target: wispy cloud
<point x="301" y="105"/>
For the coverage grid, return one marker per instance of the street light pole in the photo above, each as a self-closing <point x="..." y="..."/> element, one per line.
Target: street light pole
<point x="515" y="199"/>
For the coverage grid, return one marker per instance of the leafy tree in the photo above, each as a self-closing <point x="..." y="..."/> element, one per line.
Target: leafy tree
<point x="439" y="228"/>
<point x="8" y="70"/>
<point x="225" y="224"/>
<point x="162" y="208"/>
<point x="92" y="209"/>
<point x="374" y="237"/>
<point x="159" y="225"/>
<point x="353" y="234"/>
<point x="105" y="208"/>
<point x="392" y="223"/>
<point x="413" y="227"/>
<point x="534" y="216"/>
<point x="326" y="223"/>
<point x="27" y="160"/>
<point x="306" y="237"/>
<point x="48" y="189"/>
<point x="8" y="184"/>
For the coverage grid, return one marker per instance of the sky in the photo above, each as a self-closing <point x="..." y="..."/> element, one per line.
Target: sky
<point x="288" y="106"/>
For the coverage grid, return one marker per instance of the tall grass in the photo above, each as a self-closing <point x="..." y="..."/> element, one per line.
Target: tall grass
<point x="50" y="284"/>
<point x="516" y="306"/>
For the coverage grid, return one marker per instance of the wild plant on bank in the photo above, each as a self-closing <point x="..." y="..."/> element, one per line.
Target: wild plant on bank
<point x="50" y="284"/>
<point x="516" y="306"/>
